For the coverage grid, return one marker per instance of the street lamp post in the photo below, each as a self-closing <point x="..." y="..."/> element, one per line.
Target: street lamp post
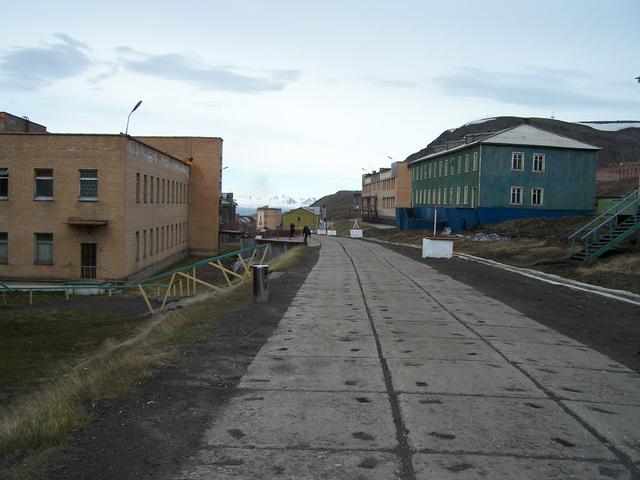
<point x="126" y="131"/>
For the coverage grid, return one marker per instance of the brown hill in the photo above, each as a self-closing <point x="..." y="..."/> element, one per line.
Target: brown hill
<point x="339" y="205"/>
<point x="618" y="146"/>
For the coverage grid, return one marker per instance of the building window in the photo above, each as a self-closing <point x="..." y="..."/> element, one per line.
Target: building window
<point x="43" y="254"/>
<point x="157" y="189"/>
<point x="137" y="245"/>
<point x="88" y="185"/>
<point x="164" y="196"/>
<point x="465" y="198"/>
<point x="516" y="195"/>
<point x="446" y="168"/>
<point x="466" y="162"/>
<point x="444" y="199"/>
<point x="137" y="188"/>
<point x="451" y="195"/>
<point x="537" y="196"/>
<point x="157" y="239"/>
<point x="453" y="165"/>
<point x="4" y="248"/>
<point x="538" y="162"/>
<point x="4" y="183"/>
<point x="459" y="164"/>
<point x="44" y="184"/>
<point x="475" y="161"/>
<point x="151" y="242"/>
<point x="144" y="244"/>
<point x="151" y="189"/>
<point x="474" y="197"/>
<point x="144" y="190"/>
<point x="430" y="169"/>
<point x="517" y="161"/>
<point x="162" y="237"/>
<point x="458" y="196"/>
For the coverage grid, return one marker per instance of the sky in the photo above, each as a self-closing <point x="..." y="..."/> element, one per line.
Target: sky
<point x="308" y="95"/>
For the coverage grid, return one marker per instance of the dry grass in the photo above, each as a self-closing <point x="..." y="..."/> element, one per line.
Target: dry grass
<point x="33" y="430"/>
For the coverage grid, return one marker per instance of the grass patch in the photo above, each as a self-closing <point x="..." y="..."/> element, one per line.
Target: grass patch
<point x="73" y="359"/>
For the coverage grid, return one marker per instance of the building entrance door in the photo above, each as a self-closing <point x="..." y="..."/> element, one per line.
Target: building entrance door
<point x="88" y="260"/>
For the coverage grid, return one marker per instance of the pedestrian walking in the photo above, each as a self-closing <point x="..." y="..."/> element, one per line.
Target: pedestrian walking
<point x="306" y="231"/>
<point x="292" y="230"/>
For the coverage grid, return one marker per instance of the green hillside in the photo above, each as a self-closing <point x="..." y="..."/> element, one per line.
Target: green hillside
<point x="339" y="205"/>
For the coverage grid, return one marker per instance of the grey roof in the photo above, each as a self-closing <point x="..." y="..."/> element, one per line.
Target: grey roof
<point x="522" y="135"/>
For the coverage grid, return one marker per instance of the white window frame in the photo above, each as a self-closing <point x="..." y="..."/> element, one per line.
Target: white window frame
<point x="475" y="161"/>
<point x="36" y="242"/>
<point x="42" y="176"/>
<point x="458" y="195"/>
<point x="540" y="159"/>
<point x="446" y="168"/>
<point x="541" y="200"/>
<point x="466" y="162"/>
<point x="88" y="177"/>
<point x="515" y="156"/>
<point x="459" y="163"/>
<point x="519" y="193"/>
<point x="465" y="198"/>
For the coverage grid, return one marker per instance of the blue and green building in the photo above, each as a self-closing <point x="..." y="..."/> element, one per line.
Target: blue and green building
<point x="520" y="172"/>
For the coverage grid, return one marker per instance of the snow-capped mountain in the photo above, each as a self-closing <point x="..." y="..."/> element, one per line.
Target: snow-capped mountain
<point x="286" y="202"/>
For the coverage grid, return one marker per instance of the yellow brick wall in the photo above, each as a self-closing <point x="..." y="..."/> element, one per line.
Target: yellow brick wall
<point x="21" y="215"/>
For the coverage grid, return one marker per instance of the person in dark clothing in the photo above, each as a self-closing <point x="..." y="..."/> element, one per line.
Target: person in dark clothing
<point x="306" y="231"/>
<point x="292" y="230"/>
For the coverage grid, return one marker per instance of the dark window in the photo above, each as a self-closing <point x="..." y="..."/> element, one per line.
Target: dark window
<point x="137" y="188"/>
<point x="43" y="248"/>
<point x="44" y="183"/>
<point x="4" y="248"/>
<point x="88" y="184"/>
<point x="4" y="183"/>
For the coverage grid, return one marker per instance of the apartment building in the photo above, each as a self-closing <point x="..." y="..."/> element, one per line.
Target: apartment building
<point x="619" y="171"/>
<point x="383" y="191"/>
<point x="519" y="172"/>
<point x="105" y="206"/>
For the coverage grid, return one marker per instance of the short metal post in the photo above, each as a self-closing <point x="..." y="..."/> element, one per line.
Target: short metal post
<point x="260" y="283"/>
<point x="30" y="297"/>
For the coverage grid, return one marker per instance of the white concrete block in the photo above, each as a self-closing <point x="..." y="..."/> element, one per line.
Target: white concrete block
<point x="356" y="233"/>
<point x="437" y="248"/>
<point x="331" y="233"/>
<point x="322" y="231"/>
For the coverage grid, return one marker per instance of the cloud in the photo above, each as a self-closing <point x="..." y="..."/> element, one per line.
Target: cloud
<point x="33" y="68"/>
<point x="183" y="68"/>
<point x="533" y="87"/>
<point x="389" y="83"/>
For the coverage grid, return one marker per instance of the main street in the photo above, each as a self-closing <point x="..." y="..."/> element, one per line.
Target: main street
<point x="384" y="368"/>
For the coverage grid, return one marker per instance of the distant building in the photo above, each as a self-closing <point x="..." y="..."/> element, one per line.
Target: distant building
<point x="105" y="206"/>
<point x="268" y="218"/>
<point x="300" y="217"/>
<point x="516" y="173"/>
<point x="384" y="191"/>
<point x="228" y="217"/>
<point x="619" y="171"/>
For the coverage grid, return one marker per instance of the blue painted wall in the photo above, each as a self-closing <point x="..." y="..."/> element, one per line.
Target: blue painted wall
<point x="568" y="180"/>
<point x="459" y="219"/>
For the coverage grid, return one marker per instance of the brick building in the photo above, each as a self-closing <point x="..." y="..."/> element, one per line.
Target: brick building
<point x="11" y="123"/>
<point x="105" y="206"/>
<point x="383" y="191"/>
<point x="619" y="171"/>
<point x="268" y="218"/>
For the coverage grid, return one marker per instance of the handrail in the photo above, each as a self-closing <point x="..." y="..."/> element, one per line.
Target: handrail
<point x="597" y="227"/>
<point x="201" y="262"/>
<point x="606" y="212"/>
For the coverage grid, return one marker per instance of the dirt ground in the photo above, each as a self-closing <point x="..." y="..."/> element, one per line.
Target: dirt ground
<point x="538" y="243"/>
<point x="150" y="434"/>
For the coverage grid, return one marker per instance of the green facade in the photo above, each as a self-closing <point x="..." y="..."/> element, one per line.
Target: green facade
<point x="442" y="181"/>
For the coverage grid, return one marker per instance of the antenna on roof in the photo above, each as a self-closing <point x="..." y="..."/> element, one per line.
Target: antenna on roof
<point x="553" y="114"/>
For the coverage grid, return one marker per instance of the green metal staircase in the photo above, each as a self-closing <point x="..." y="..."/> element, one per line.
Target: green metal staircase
<point x="605" y="232"/>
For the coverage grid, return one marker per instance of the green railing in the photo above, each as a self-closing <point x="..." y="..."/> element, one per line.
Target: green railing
<point x="185" y="281"/>
<point x="609" y="228"/>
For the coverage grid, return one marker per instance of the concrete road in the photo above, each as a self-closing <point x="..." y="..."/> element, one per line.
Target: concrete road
<point x="383" y="368"/>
